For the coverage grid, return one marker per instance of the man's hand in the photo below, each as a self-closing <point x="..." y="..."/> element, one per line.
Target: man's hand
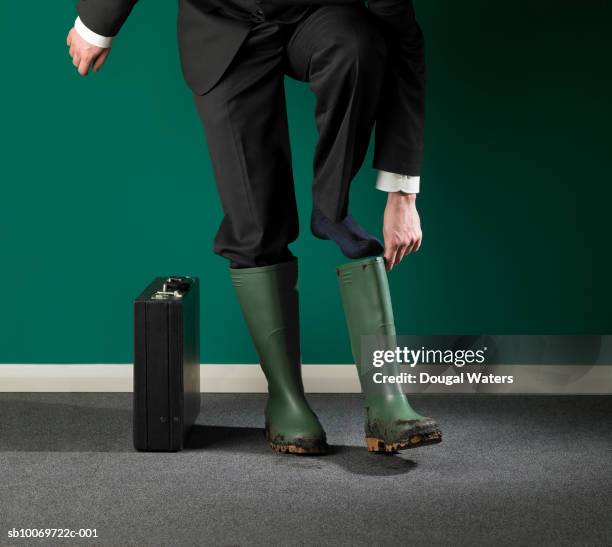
<point x="402" y="228"/>
<point x="84" y="55"/>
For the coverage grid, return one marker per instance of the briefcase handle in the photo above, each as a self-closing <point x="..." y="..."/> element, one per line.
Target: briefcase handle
<point x="181" y="284"/>
<point x="174" y="286"/>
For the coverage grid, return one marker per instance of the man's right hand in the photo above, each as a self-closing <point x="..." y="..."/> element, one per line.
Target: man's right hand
<point x="85" y="55"/>
<point x="401" y="228"/>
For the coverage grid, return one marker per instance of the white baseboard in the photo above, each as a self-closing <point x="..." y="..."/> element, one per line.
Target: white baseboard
<point x="213" y="378"/>
<point x="529" y="379"/>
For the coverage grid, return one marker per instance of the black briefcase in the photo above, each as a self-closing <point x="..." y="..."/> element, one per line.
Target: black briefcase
<point x="166" y="363"/>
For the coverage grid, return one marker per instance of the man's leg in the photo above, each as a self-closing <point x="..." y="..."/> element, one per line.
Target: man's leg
<point x="340" y="53"/>
<point x="391" y="423"/>
<point x="245" y="121"/>
<point x="400" y="119"/>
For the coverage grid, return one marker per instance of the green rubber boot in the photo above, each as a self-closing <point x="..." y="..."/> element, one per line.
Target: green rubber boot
<point x="391" y="423"/>
<point x="268" y="297"/>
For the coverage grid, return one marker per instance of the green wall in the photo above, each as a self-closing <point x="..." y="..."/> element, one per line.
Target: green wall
<point x="106" y="183"/>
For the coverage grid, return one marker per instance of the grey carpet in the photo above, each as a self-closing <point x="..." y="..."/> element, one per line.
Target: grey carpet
<point x="510" y="471"/>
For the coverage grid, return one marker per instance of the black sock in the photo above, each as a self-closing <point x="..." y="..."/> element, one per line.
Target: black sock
<point x="353" y="240"/>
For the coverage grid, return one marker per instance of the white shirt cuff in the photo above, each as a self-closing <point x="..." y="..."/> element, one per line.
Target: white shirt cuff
<point x="392" y="182"/>
<point x="90" y="36"/>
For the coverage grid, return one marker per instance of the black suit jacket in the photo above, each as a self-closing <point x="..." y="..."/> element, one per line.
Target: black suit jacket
<point x="208" y="38"/>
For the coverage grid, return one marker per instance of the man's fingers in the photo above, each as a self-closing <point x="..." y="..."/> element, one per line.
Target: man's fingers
<point x="406" y="248"/>
<point x="101" y="60"/>
<point x="84" y="67"/>
<point x="418" y="244"/>
<point x="402" y="252"/>
<point x="85" y="60"/>
<point x="388" y="264"/>
<point x="410" y="247"/>
<point x="390" y="258"/>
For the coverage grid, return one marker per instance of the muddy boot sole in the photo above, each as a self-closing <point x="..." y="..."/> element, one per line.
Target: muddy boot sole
<point x="421" y="439"/>
<point x="295" y="449"/>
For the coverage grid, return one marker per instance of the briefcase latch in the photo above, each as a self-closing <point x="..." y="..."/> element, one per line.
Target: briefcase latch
<point x="173" y="287"/>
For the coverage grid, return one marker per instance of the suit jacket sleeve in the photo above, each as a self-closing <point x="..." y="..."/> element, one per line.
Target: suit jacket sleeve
<point x="401" y="117"/>
<point x="105" y="17"/>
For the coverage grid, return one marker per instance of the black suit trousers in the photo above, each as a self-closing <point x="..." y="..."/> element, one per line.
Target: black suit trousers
<point x="235" y="62"/>
<point x="340" y="53"/>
